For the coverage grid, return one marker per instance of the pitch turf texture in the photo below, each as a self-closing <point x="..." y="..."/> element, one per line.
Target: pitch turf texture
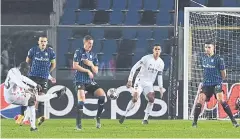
<point x="64" y="128"/>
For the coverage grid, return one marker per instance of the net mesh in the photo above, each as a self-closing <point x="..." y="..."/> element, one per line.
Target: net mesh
<point x="222" y="28"/>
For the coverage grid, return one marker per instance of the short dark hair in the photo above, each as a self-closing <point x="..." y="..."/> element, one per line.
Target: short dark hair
<point x="156" y="44"/>
<point x="43" y="36"/>
<point x="24" y="65"/>
<point x="209" y="42"/>
<point x="87" y="37"/>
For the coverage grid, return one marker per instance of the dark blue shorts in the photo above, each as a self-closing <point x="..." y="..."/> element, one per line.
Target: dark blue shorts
<point x="211" y="90"/>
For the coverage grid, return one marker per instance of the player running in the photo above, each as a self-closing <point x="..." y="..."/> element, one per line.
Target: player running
<point x="214" y="73"/>
<point x="151" y="65"/>
<point x="20" y="90"/>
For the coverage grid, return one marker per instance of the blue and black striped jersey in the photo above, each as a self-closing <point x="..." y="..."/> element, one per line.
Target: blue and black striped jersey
<point x="212" y="66"/>
<point x="40" y="61"/>
<point x="79" y="56"/>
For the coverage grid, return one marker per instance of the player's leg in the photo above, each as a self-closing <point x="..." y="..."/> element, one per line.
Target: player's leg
<point x="26" y="117"/>
<point x="135" y="96"/>
<point x="98" y="92"/>
<point x="205" y="94"/>
<point x="21" y="115"/>
<point x="40" y="104"/>
<point x="31" y="106"/>
<point x="56" y="94"/>
<point x="150" y="96"/>
<point x="80" y="89"/>
<point x="25" y="98"/>
<point x="45" y="97"/>
<point x="220" y="99"/>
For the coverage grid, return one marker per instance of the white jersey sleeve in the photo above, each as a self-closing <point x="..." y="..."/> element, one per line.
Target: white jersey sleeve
<point x="160" y="74"/>
<point x="14" y="77"/>
<point x="139" y="64"/>
<point x="28" y="81"/>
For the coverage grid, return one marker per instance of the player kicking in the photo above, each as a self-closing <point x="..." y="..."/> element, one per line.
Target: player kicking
<point x="85" y="63"/>
<point x="20" y="90"/>
<point x="214" y="73"/>
<point x="151" y="65"/>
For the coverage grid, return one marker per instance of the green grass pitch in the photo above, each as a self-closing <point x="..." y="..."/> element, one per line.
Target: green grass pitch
<point x="64" y="128"/>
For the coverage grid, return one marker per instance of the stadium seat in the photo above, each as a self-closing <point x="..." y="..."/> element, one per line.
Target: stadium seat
<point x="113" y="33"/>
<point x="72" y="4"/>
<point x="147" y="17"/>
<point x="68" y="17"/>
<point x="97" y="33"/>
<point x="151" y="5"/>
<point x="144" y="33"/>
<point x="62" y="41"/>
<point x="160" y="34"/>
<point x="88" y="4"/>
<point x="125" y="53"/>
<point x="75" y="44"/>
<point x="119" y="4"/>
<point x="163" y="18"/>
<point x="129" y="33"/>
<point x="116" y="17"/>
<point x="103" y="4"/>
<point x="109" y="49"/>
<point x="80" y="32"/>
<point x="96" y="46"/>
<point x="131" y="18"/>
<point x="101" y="16"/>
<point x="83" y="17"/>
<point x="135" y="5"/>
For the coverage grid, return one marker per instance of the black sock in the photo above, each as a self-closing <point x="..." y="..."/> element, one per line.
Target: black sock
<point x="197" y="111"/>
<point x="100" y="106"/>
<point x="79" y="113"/>
<point x="227" y="110"/>
<point x="23" y="108"/>
<point x="40" y="109"/>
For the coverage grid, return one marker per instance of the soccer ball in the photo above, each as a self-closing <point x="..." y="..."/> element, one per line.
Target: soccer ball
<point x="112" y="93"/>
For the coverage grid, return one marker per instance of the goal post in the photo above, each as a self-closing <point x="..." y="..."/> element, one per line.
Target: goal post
<point x="220" y="25"/>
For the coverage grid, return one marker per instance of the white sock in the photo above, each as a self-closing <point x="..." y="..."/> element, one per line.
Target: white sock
<point x="26" y="114"/>
<point x="148" y="110"/>
<point x="45" y="97"/>
<point x="32" y="116"/>
<point x="129" y="107"/>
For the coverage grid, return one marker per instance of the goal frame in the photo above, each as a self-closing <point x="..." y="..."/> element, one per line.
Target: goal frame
<point x="187" y="46"/>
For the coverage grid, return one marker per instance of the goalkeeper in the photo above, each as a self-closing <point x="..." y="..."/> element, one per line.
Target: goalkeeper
<point x="214" y="73"/>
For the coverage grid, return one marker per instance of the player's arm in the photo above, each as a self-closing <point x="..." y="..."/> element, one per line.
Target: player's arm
<point x="53" y="60"/>
<point x="135" y="67"/>
<point x="222" y="68"/>
<point x="53" y="65"/>
<point x="160" y="80"/>
<point x="16" y="78"/>
<point x="76" y="60"/>
<point x="94" y="66"/>
<point x="29" y="56"/>
<point x="29" y="81"/>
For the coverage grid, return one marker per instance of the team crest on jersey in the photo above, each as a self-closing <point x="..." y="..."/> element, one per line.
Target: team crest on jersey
<point x="46" y="54"/>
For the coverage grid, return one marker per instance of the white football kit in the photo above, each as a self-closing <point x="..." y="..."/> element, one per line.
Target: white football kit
<point x="16" y="88"/>
<point x="146" y="77"/>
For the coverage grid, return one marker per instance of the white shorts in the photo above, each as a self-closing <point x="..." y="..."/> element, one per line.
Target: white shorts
<point x="18" y="97"/>
<point x="142" y="86"/>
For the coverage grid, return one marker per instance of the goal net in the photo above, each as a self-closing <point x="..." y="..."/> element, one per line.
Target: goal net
<point x="221" y="26"/>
